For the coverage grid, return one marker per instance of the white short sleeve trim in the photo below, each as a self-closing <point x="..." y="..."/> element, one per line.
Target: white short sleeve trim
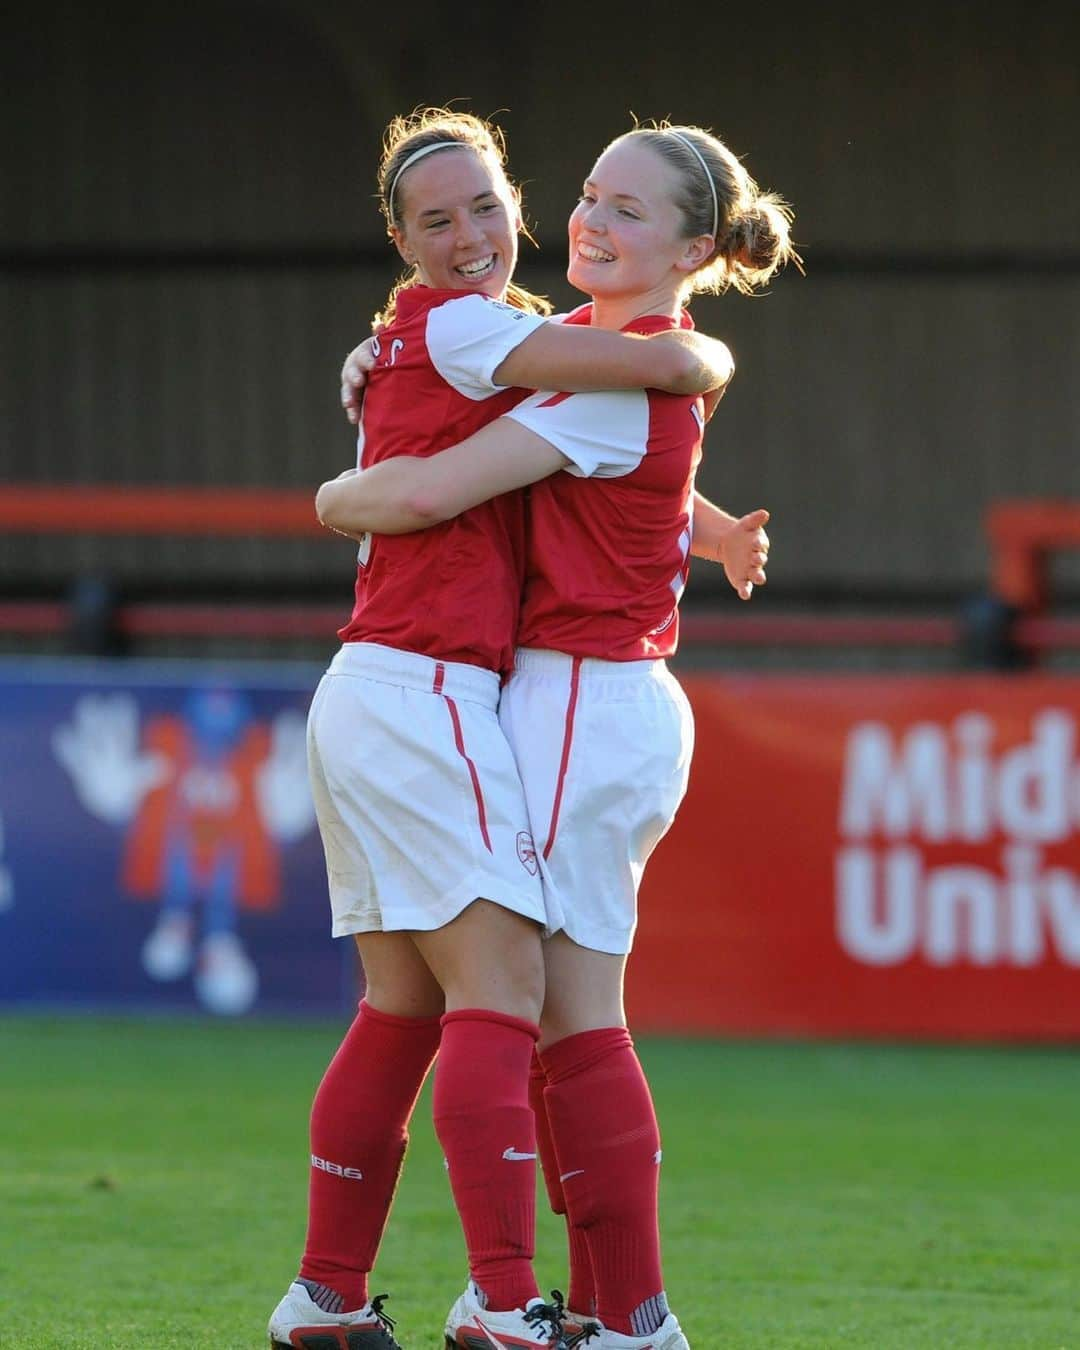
<point x="468" y="339"/>
<point x="603" y="435"/>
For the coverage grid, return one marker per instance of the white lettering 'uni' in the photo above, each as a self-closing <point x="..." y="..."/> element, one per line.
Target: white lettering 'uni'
<point x="891" y="908"/>
<point x="335" y="1169"/>
<point x="512" y="1155"/>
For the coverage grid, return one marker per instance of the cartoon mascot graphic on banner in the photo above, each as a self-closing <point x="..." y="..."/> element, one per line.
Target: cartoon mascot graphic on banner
<point x="207" y="796"/>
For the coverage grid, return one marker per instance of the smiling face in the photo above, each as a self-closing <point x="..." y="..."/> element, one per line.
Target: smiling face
<point x="457" y="220"/>
<point x="627" y="240"/>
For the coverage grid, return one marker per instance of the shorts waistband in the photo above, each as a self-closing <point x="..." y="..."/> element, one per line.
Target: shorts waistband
<point x="539" y="661"/>
<point x="411" y="670"/>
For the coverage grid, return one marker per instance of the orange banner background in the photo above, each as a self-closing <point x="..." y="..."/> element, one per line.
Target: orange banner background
<point x="870" y="856"/>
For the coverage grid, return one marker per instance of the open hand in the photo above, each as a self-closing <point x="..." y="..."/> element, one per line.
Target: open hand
<point x="745" y="552"/>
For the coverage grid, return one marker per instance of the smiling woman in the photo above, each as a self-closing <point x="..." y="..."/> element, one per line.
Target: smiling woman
<point x="430" y="858"/>
<point x="475" y="216"/>
<point x="600" y="730"/>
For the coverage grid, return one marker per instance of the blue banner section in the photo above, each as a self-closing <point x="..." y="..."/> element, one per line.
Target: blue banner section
<point x="158" y="844"/>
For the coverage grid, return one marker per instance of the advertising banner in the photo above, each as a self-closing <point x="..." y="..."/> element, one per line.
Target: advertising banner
<point x="856" y="856"/>
<point x="158" y="844"/>
<point x="870" y="856"/>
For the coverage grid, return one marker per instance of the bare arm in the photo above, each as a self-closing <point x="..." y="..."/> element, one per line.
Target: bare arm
<point x="738" y="543"/>
<point x="578" y="359"/>
<point x="404" y="494"/>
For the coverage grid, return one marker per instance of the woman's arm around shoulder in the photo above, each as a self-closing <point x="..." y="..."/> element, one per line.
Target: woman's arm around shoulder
<point x="576" y="358"/>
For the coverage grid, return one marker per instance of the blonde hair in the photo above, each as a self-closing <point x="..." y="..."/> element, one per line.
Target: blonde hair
<point x="751" y="229"/>
<point x="424" y="129"/>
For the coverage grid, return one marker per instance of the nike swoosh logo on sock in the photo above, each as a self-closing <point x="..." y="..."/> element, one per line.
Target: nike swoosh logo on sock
<point x="567" y="1175"/>
<point x="512" y="1155"/>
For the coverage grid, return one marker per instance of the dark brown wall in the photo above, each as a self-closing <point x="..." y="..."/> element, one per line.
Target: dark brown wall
<point x="190" y="244"/>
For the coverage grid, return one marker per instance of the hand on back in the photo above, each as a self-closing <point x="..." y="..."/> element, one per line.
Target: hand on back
<point x="354" y="375"/>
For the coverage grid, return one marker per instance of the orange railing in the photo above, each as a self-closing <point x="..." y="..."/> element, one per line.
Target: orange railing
<point x="93" y="509"/>
<point x="1022" y="536"/>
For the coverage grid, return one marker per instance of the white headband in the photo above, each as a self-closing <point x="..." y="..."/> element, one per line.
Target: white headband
<point x="712" y="186"/>
<point x="419" y="154"/>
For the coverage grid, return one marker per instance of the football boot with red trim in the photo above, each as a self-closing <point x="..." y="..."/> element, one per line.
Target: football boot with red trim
<point x="298" y="1323"/>
<point x="470" y="1326"/>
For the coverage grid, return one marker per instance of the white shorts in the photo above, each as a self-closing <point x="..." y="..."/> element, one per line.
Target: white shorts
<point x="418" y="799"/>
<point x="604" y="750"/>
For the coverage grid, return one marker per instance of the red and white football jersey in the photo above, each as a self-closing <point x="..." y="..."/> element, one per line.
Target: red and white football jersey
<point x="452" y="591"/>
<point x="609" y="536"/>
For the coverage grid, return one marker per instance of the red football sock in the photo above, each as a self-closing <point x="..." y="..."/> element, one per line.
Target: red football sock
<point x="608" y="1144"/>
<point x="486" y="1127"/>
<point x="581" y="1291"/>
<point x="359" y="1133"/>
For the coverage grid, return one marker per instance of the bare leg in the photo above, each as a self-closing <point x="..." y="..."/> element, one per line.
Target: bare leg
<point x="397" y="977"/>
<point x="584" y="990"/>
<point x="488" y="957"/>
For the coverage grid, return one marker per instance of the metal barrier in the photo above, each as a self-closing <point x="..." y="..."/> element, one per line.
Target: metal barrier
<point x="1022" y="535"/>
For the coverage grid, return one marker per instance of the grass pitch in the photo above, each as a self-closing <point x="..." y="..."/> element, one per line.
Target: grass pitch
<point x="815" y="1197"/>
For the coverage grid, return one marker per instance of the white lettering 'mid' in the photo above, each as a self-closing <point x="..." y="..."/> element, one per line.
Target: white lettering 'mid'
<point x="936" y="783"/>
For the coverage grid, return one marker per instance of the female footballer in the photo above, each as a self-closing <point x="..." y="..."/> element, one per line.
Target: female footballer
<point x="664" y="213"/>
<point x="431" y="863"/>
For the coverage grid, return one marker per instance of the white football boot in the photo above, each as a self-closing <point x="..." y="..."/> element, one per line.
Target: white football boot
<point x="668" y="1336"/>
<point x="469" y="1325"/>
<point x="298" y="1323"/>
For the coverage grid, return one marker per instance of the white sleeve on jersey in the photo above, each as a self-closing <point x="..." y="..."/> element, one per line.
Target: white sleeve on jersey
<point x="468" y="339"/>
<point x="603" y="435"/>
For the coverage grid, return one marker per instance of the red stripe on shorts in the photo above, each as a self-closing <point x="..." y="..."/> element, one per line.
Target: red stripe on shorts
<point x="568" y="736"/>
<point x="459" y="743"/>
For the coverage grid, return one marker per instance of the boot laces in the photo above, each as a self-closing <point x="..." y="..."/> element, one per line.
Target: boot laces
<point x="385" y="1318"/>
<point x="552" y="1315"/>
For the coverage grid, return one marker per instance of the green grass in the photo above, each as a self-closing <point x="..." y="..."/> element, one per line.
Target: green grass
<point x="815" y="1197"/>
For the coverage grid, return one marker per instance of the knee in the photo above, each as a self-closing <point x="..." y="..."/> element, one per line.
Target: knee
<point x="517" y="993"/>
<point x="401" y="996"/>
<point x="568" y="1011"/>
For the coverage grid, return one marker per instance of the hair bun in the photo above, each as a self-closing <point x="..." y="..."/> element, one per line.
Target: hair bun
<point x="759" y="238"/>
